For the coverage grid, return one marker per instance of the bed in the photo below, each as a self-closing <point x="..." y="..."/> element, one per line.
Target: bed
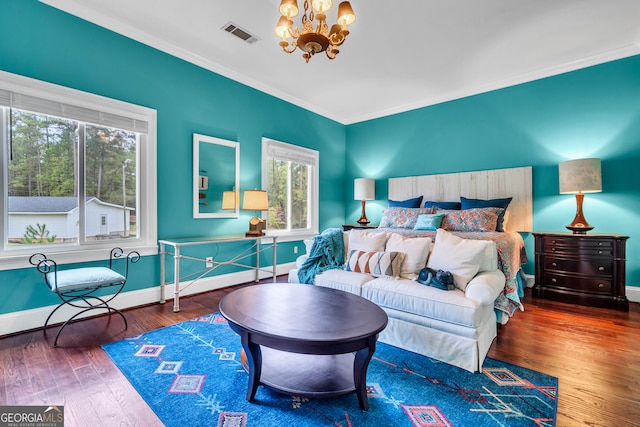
<point x="514" y="183"/>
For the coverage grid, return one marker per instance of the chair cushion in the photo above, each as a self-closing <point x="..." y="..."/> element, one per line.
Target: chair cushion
<point x="83" y="278"/>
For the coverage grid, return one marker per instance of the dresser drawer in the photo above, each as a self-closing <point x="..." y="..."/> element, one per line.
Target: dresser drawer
<point x="583" y="284"/>
<point x="584" y="247"/>
<point x="593" y="267"/>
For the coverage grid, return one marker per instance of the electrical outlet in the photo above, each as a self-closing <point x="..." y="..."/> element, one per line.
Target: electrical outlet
<point x="295" y="250"/>
<point x="209" y="261"/>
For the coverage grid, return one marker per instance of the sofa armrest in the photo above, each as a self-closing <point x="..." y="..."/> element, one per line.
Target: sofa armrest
<point x="486" y="286"/>
<point x="301" y="259"/>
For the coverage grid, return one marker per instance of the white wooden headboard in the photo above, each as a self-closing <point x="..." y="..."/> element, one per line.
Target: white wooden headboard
<point x="490" y="184"/>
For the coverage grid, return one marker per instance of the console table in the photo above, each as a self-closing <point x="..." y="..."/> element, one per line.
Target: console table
<point x="255" y="248"/>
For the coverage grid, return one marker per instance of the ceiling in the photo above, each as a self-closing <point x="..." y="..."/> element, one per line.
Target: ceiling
<point x="400" y="55"/>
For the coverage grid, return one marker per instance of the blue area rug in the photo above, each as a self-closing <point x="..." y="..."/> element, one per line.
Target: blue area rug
<point x="190" y="375"/>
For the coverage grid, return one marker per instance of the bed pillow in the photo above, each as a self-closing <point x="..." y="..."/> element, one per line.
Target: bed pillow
<point x="462" y="257"/>
<point x="401" y="217"/>
<point x="378" y="264"/>
<point x="366" y="241"/>
<point x="416" y="250"/>
<point x="489" y="203"/>
<point x="409" y="203"/>
<point x="429" y="221"/>
<point x="479" y="219"/>
<point x="443" y="205"/>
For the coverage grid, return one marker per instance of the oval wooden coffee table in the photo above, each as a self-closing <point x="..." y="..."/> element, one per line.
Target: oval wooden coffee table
<point x="305" y="340"/>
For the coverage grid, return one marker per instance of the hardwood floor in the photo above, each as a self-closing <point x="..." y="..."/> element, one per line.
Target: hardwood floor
<point x="595" y="353"/>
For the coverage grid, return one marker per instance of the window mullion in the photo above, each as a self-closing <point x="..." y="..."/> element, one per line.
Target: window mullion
<point x="289" y="199"/>
<point x="81" y="141"/>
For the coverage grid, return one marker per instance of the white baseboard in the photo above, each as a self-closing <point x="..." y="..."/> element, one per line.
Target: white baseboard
<point x="633" y="293"/>
<point x="24" y="320"/>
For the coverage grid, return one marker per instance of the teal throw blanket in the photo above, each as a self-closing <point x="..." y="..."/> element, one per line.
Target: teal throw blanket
<point x="327" y="252"/>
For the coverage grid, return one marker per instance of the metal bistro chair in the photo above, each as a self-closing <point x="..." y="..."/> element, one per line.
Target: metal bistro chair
<point x="76" y="287"/>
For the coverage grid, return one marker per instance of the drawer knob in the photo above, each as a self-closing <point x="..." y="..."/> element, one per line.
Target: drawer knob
<point x="554" y="264"/>
<point x="553" y="249"/>
<point x="599" y="243"/>
<point x="601" y="268"/>
<point x="601" y="285"/>
<point x="599" y="252"/>
<point x="553" y="280"/>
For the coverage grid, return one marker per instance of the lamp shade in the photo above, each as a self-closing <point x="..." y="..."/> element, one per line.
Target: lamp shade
<point x="255" y="200"/>
<point x="580" y="176"/>
<point x="364" y="189"/>
<point x="229" y="200"/>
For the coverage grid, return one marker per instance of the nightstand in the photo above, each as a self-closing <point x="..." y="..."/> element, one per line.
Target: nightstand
<point x="587" y="269"/>
<point x="347" y="227"/>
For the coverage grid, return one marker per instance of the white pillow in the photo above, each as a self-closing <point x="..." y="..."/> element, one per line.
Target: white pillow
<point x="365" y="241"/>
<point x="416" y="250"/>
<point x="462" y="257"/>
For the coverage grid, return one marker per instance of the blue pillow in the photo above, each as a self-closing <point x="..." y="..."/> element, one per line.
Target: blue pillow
<point x="428" y="222"/>
<point x="443" y="205"/>
<point x="491" y="203"/>
<point x="409" y="203"/>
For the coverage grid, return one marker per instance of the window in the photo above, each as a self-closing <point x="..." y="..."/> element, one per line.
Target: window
<point x="290" y="176"/>
<point x="70" y="159"/>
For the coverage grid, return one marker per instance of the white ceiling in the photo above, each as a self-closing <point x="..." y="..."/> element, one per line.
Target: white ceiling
<point x="400" y="55"/>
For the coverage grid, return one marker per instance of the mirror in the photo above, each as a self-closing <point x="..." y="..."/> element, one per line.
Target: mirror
<point x="216" y="172"/>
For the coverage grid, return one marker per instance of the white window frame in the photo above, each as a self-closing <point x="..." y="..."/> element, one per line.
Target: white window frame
<point x="146" y="243"/>
<point x="302" y="155"/>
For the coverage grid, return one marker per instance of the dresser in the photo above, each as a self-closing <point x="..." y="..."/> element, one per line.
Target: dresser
<point x="586" y="269"/>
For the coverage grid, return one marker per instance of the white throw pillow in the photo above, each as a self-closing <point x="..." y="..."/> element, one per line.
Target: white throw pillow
<point x="416" y="250"/>
<point x="366" y="241"/>
<point x="462" y="257"/>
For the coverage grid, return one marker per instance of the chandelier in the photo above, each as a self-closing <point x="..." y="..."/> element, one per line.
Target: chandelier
<point x="310" y="40"/>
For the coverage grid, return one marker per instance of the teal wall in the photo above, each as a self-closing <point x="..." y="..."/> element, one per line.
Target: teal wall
<point x="591" y="112"/>
<point x="594" y="112"/>
<point x="43" y="43"/>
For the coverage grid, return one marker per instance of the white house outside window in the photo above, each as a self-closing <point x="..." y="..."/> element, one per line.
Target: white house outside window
<point x="69" y="159"/>
<point x="290" y="176"/>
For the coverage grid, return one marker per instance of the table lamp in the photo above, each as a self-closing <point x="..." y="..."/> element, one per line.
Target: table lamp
<point x="579" y="177"/>
<point x="364" y="189"/>
<point x="255" y="200"/>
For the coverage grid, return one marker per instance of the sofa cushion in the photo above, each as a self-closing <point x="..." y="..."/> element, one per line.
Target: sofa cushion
<point x="412" y="297"/>
<point x="378" y="264"/>
<point x="462" y="257"/>
<point x="416" y="250"/>
<point x="347" y="281"/>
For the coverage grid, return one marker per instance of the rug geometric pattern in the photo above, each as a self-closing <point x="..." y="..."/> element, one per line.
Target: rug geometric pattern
<point x="190" y="375"/>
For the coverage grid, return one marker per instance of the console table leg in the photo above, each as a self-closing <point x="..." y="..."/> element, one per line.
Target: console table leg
<point x="360" y="365"/>
<point x="176" y="280"/>
<point x="254" y="365"/>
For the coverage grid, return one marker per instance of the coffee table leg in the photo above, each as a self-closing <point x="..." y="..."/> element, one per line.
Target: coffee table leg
<point x="254" y="362"/>
<point x="360" y="366"/>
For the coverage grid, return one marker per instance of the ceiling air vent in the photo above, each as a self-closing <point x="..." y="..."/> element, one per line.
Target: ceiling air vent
<point x="240" y="33"/>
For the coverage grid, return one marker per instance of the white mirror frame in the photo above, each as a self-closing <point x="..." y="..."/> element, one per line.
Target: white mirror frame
<point x="197" y="139"/>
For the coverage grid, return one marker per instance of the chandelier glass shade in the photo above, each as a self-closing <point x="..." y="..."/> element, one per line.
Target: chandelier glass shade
<point x="309" y="39"/>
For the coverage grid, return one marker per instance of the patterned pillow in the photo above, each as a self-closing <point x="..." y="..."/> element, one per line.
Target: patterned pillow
<point x="401" y="217"/>
<point x="491" y="203"/>
<point x="477" y="219"/>
<point x="378" y="264"/>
